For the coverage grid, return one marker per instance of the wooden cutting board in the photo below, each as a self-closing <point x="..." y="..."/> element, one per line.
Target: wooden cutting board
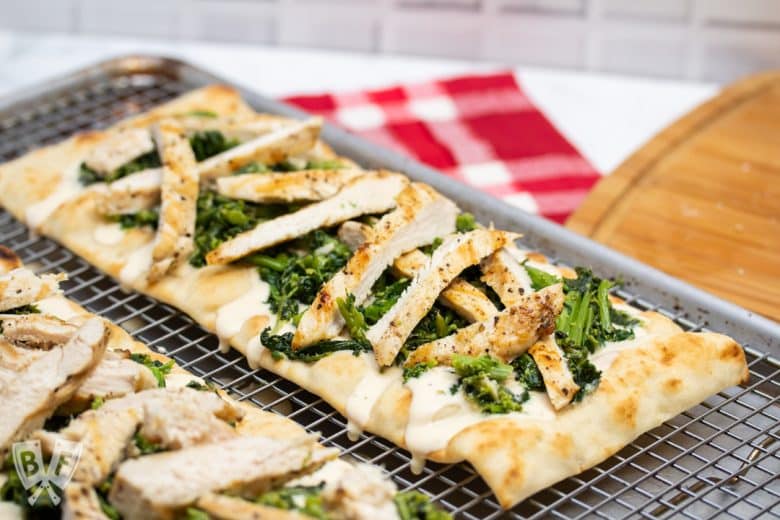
<point x="701" y="200"/>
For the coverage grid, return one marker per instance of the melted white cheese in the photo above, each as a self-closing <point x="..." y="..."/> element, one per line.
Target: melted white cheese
<point x="232" y="316"/>
<point x="368" y="391"/>
<point x="68" y="188"/>
<point x="137" y="265"/>
<point x="108" y="234"/>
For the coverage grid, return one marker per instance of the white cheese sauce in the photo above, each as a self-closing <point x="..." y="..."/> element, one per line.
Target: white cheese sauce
<point x="108" y="234"/>
<point x="232" y="316"/>
<point x="137" y="265"/>
<point x="366" y="394"/>
<point x="68" y="187"/>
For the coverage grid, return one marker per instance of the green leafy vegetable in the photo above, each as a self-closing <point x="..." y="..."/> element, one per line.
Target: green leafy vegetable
<point x="145" y="217"/>
<point x="159" y="369"/>
<point x="297" y="278"/>
<point x="145" y="446"/>
<point x="202" y="113"/>
<point x="201" y="387"/>
<point x="192" y="513"/>
<point x="587" y="321"/>
<point x="148" y="160"/>
<point x="24" y="309"/>
<point x="386" y="292"/>
<point x="527" y="373"/>
<point x="481" y="379"/>
<point x="417" y="369"/>
<point x="438" y="323"/>
<point x="433" y="246"/>
<point x="304" y="499"/>
<point x="354" y="319"/>
<point x="220" y="218"/>
<point x="465" y="222"/>
<point x="210" y="143"/>
<point x="253" y="167"/>
<point x="103" y="489"/>
<point x="324" y="164"/>
<point x="413" y="505"/>
<point x="280" y="346"/>
<point x="97" y="402"/>
<point x="539" y="278"/>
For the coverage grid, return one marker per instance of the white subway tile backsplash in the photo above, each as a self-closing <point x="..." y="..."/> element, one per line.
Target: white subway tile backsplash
<point x="695" y="39"/>
<point x="135" y="17"/>
<point x="35" y="15"/>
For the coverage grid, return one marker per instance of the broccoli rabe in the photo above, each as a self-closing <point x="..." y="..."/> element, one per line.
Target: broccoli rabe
<point x="280" y="346"/>
<point x="158" y="368"/>
<point x="482" y="378"/>
<point x="303" y="499"/>
<point x="413" y="505"/>
<point x="417" y="370"/>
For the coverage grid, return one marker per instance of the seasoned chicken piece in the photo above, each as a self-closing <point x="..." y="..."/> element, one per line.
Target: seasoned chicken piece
<point x="156" y="486"/>
<point x="8" y="260"/>
<point x="130" y="194"/>
<point x="241" y="127"/>
<point x="504" y="274"/>
<point x="81" y="503"/>
<point x="119" y="149"/>
<point x="115" y="376"/>
<point x="505" y="335"/>
<point x="107" y="431"/>
<point x="33" y="395"/>
<point x="176" y="228"/>
<point x="421" y="215"/>
<point x="370" y="193"/>
<point x="354" y="233"/>
<point x="38" y="331"/>
<point x="22" y="287"/>
<point x="14" y="359"/>
<point x="303" y="185"/>
<point x="558" y="379"/>
<point x="460" y="296"/>
<point x="270" y="148"/>
<point x="223" y="507"/>
<point x="458" y="252"/>
<point x="183" y="424"/>
<point x="354" y="491"/>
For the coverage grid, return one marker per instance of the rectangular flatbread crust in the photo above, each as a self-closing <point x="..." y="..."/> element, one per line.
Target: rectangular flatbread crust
<point x="664" y="373"/>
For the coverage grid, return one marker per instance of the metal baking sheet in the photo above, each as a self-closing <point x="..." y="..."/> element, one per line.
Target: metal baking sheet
<point x="718" y="459"/>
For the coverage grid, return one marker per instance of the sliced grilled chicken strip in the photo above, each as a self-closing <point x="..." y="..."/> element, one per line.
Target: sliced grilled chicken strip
<point x="33" y="395"/>
<point x="115" y="376"/>
<point x="119" y="149"/>
<point x="460" y="296"/>
<point x="223" y="507"/>
<point x="130" y="194"/>
<point x="506" y="335"/>
<point x="176" y="227"/>
<point x="81" y="503"/>
<point x="370" y="193"/>
<point x="183" y="424"/>
<point x="39" y="331"/>
<point x="14" y="359"/>
<point x="153" y="486"/>
<point x="106" y="432"/>
<point x="504" y="274"/>
<point x="304" y="185"/>
<point x="242" y="128"/>
<point x="558" y="379"/>
<point x="270" y="148"/>
<point x="457" y="253"/>
<point x="354" y="491"/>
<point x="421" y="215"/>
<point x="22" y="287"/>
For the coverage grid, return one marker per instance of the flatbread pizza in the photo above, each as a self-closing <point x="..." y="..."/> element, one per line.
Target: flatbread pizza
<point x="155" y="441"/>
<point x="368" y="289"/>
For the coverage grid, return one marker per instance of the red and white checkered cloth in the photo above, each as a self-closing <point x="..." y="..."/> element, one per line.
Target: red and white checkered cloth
<point x="481" y="129"/>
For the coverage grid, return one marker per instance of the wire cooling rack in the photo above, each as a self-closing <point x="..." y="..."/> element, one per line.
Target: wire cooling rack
<point x="718" y="459"/>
